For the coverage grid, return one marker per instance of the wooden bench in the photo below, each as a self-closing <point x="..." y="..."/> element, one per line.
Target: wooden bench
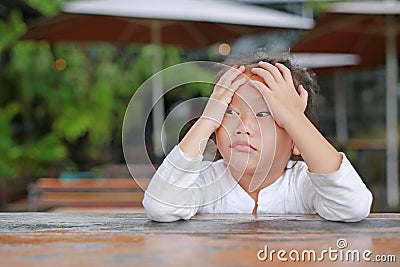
<point x="47" y="193"/>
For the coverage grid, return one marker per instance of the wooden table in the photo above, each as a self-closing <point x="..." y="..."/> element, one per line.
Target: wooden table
<point x="130" y="239"/>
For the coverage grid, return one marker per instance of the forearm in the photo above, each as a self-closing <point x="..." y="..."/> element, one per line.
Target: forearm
<point x="195" y="141"/>
<point x="320" y="156"/>
<point x="165" y="202"/>
<point x="340" y="195"/>
<point x="172" y="193"/>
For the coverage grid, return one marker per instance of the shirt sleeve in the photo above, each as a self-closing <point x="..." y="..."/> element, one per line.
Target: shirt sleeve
<point x="174" y="192"/>
<point x="340" y="195"/>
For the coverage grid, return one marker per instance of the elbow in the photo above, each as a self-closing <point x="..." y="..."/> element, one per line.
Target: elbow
<point x="360" y="208"/>
<point x="161" y="212"/>
<point x="157" y="211"/>
<point x="353" y="210"/>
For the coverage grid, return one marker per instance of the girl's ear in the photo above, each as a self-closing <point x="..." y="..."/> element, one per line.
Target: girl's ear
<point x="295" y="150"/>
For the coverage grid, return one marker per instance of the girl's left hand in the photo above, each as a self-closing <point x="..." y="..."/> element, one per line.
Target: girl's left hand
<point x="279" y="92"/>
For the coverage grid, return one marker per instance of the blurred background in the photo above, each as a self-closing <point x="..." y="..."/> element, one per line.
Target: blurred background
<point x="62" y="101"/>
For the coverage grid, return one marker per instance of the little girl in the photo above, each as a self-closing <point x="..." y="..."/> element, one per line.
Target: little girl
<point x="274" y="158"/>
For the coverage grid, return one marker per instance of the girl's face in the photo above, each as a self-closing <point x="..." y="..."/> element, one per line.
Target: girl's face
<point x="248" y="137"/>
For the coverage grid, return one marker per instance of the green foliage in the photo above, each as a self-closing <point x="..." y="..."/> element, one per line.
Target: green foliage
<point x="11" y="30"/>
<point x="29" y="157"/>
<point x="6" y="142"/>
<point x="47" y="7"/>
<point x="58" y="114"/>
<point x="87" y="98"/>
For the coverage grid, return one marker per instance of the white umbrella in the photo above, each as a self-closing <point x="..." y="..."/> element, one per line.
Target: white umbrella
<point x="325" y="60"/>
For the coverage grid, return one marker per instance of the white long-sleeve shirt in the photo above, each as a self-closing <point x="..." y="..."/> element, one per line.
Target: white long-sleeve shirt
<point x="184" y="186"/>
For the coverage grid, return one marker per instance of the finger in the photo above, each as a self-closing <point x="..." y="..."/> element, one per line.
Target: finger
<point x="262" y="88"/>
<point x="227" y="96"/>
<point x="265" y="92"/>
<point x="303" y="94"/>
<point x="230" y="75"/>
<point x="229" y="88"/>
<point x="258" y="85"/>
<point x="286" y="73"/>
<point x="238" y="82"/>
<point x="272" y="69"/>
<point x="265" y="75"/>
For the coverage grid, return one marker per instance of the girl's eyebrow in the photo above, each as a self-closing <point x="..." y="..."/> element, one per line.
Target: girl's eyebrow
<point x="266" y="109"/>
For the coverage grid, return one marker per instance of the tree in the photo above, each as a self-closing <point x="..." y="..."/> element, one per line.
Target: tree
<point x="66" y="101"/>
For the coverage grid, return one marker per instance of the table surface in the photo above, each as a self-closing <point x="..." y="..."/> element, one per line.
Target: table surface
<point x="130" y="239"/>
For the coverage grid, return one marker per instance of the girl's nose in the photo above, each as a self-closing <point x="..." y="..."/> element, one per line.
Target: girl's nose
<point x="244" y="132"/>
<point x="245" y="126"/>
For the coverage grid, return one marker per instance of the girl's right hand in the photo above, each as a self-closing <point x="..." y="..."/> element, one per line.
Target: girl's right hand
<point x="222" y="95"/>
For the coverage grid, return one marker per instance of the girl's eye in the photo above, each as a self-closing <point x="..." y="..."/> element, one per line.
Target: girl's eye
<point x="231" y="111"/>
<point x="263" y="114"/>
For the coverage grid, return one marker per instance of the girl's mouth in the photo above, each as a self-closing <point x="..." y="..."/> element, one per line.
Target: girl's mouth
<point x="243" y="146"/>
